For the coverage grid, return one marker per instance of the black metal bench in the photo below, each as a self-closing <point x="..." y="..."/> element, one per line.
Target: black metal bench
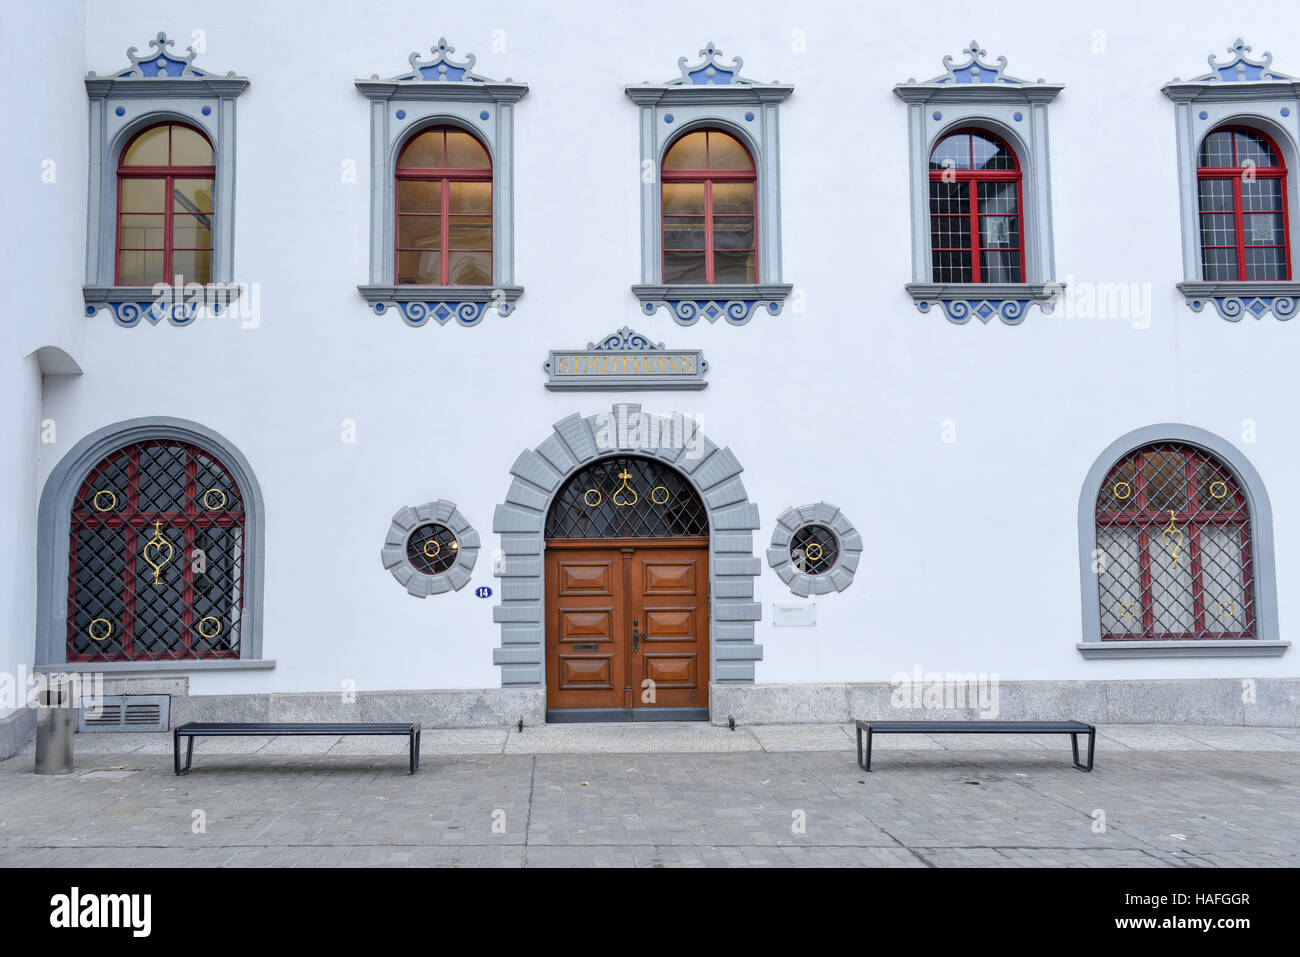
<point x="196" y="729"/>
<point x="1072" y="728"/>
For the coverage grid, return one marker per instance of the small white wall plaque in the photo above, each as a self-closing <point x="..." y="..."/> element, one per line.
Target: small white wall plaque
<point x="801" y="615"/>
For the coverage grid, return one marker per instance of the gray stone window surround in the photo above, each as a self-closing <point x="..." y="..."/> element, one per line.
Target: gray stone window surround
<point x="981" y="95"/>
<point x="1240" y="91"/>
<point x="440" y="91"/>
<point x="54" y="527"/>
<point x="122" y="104"/>
<point x="1261" y="521"/>
<point x="539" y="474"/>
<point x="405" y="522"/>
<point x="711" y="94"/>
<point x="847" y="539"/>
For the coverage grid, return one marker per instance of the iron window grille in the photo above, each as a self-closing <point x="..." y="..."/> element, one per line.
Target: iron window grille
<point x="1173" y="557"/>
<point x="1241" y="189"/>
<point x="156" y="557"/>
<point x="444" y="210"/>
<point x="814" y="550"/>
<point x="627" y="497"/>
<point x="976" y="221"/>
<point x="432" y="548"/>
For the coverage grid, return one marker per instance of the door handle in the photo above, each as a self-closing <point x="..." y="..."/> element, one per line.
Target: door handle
<point x="636" y="636"/>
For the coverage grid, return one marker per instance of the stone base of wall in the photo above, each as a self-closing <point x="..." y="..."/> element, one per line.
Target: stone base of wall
<point x="1260" y="702"/>
<point x="452" y="708"/>
<point x="16" y="730"/>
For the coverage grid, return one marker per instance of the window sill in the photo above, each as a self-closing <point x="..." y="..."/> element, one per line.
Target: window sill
<point x="121" y="668"/>
<point x="735" y="302"/>
<point x="984" y="300"/>
<point x="1205" y="648"/>
<point x="179" y="305"/>
<point x="1236" y="300"/>
<point x="418" y="304"/>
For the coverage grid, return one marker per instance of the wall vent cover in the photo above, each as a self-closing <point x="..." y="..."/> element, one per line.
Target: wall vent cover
<point x="137" y="712"/>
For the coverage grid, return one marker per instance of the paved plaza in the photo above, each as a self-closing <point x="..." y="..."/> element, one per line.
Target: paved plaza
<point x="665" y="795"/>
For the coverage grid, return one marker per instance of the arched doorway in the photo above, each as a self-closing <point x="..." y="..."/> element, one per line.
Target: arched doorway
<point x="627" y="595"/>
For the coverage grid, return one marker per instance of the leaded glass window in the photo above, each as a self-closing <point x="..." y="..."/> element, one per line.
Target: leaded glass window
<point x="976" y="233"/>
<point x="814" y="550"/>
<point x="164" y="215"/>
<point x="627" y="497"/>
<point x="709" y="210"/>
<point x="156" y="557"/>
<point x="444" y="210"/>
<point x="1173" y="556"/>
<point x="432" y="548"/>
<point x="1241" y="184"/>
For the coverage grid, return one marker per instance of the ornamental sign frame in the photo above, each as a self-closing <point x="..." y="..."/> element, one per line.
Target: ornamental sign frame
<point x="625" y="361"/>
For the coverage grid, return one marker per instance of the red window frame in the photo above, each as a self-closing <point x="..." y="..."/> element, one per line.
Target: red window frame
<point x="182" y="527"/>
<point x="169" y="174"/>
<point x="971" y="178"/>
<point x="1191" y="520"/>
<point x="708" y="177"/>
<point x="446" y="175"/>
<point x="1234" y="175"/>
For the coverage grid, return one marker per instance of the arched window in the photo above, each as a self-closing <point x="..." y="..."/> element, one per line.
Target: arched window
<point x="156" y="557"/>
<point x="164" y="203"/>
<point x="709" y="212"/>
<point x="444" y="210"/>
<point x="1173" y="557"/>
<point x="1241" y="179"/>
<point x="627" y="497"/>
<point x="976" y="225"/>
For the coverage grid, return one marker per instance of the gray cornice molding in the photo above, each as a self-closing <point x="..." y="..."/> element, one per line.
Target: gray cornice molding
<point x="978" y="80"/>
<point x="129" y="304"/>
<point x="840" y="575"/>
<point x="709" y="82"/>
<point x="407" y="520"/>
<point x="163" y="74"/>
<point x="441" y="77"/>
<point x="1246" y="298"/>
<point x="1241" y="77"/>
<point x="1202" y="648"/>
<point x="418" y="304"/>
<point x="735" y="302"/>
<point x="984" y="300"/>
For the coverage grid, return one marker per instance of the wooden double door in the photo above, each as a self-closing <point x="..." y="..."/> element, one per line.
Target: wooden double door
<point x="627" y="630"/>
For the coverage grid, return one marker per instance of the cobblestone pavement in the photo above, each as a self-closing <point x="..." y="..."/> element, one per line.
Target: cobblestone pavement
<point x="672" y="796"/>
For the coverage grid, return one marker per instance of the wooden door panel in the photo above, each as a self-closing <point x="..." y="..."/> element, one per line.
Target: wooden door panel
<point x="660" y="576"/>
<point x="587" y="635"/>
<point x="593" y="596"/>
<point x="579" y="624"/>
<point x="671" y="606"/>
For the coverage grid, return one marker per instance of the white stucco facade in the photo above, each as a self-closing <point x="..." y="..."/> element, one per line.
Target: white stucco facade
<point x="958" y="451"/>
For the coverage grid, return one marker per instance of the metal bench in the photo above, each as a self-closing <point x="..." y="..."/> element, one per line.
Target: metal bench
<point x="195" y="729"/>
<point x="1072" y="728"/>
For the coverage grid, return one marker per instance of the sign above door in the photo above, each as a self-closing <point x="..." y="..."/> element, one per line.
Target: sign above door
<point x="625" y="361"/>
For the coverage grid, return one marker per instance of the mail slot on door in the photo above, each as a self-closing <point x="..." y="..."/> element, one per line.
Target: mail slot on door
<point x="585" y="646"/>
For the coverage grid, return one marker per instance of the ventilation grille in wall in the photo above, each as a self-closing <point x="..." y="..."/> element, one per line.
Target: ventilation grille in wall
<point x="138" y="712"/>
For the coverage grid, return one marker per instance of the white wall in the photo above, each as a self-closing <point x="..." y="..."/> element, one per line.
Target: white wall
<point x="971" y="548"/>
<point x="43" y="167"/>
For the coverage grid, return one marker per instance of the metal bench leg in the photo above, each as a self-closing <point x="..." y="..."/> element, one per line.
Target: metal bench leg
<point x="1074" y="746"/>
<point x="415" y="753"/>
<point x="866" y="766"/>
<point x="176" y="750"/>
<point x="189" y="754"/>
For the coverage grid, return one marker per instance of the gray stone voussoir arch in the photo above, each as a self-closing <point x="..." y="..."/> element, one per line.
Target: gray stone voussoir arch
<point x="538" y="476"/>
<point x="847" y="537"/>
<point x="406" y="521"/>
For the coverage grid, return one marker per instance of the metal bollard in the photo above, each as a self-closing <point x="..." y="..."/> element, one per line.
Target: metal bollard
<point x="56" y="719"/>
